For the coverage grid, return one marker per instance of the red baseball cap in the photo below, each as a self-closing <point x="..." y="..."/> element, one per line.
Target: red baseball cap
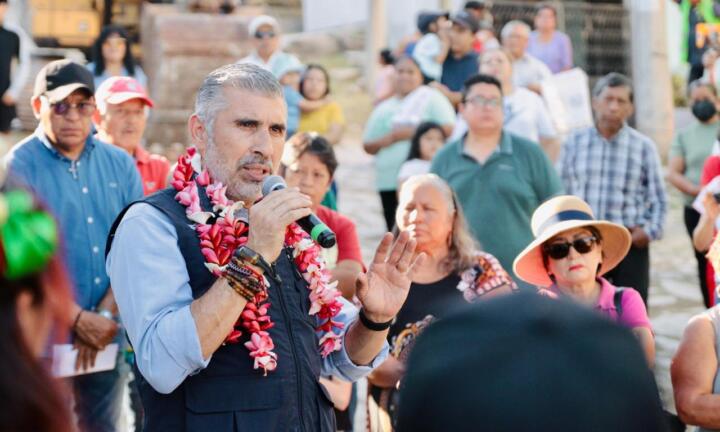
<point x="119" y="89"/>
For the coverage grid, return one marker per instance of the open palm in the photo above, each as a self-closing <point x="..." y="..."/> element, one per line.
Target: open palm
<point x="384" y="289"/>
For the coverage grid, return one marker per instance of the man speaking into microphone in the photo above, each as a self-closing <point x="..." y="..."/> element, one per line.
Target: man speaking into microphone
<point x="232" y="323"/>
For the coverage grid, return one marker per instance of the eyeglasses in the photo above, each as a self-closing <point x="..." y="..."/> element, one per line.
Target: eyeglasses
<point x="560" y="250"/>
<point x="86" y="109"/>
<point x="480" y="101"/>
<point x="264" y="34"/>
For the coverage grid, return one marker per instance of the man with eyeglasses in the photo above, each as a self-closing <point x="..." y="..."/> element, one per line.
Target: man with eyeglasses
<point x="264" y="31"/>
<point x="85" y="183"/>
<point x="499" y="178"/>
<point x="120" y="120"/>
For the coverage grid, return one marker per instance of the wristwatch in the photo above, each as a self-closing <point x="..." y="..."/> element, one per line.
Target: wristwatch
<point x="249" y="256"/>
<point x="105" y="314"/>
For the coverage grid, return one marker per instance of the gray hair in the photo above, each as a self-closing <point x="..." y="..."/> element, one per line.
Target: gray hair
<point x="698" y="83"/>
<point x="210" y="98"/>
<point x="510" y="26"/>
<point x="613" y="79"/>
<point x="463" y="248"/>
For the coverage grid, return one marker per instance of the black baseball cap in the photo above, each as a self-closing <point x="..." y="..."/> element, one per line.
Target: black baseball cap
<point x="424" y="20"/>
<point x="465" y="19"/>
<point x="477" y="5"/>
<point x="58" y="79"/>
<point x="526" y="362"/>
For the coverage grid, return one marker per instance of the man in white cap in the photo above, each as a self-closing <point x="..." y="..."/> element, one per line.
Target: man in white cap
<point x="265" y="33"/>
<point x="120" y="120"/>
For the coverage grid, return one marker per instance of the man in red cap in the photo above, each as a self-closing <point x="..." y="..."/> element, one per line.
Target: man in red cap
<point x="120" y="120"/>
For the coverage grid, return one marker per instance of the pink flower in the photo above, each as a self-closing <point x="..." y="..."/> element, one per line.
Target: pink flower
<point x="328" y="343"/>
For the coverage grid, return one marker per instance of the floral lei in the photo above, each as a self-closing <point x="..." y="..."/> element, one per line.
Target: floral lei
<point x="220" y="233"/>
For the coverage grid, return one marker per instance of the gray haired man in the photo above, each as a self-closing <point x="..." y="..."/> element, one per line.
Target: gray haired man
<point x="617" y="170"/>
<point x="178" y="314"/>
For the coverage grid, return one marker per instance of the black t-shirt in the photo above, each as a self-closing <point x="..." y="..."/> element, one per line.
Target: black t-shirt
<point x="9" y="49"/>
<point x="436" y="299"/>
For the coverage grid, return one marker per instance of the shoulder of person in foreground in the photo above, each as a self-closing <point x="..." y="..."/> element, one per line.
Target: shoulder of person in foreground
<point x="543" y="175"/>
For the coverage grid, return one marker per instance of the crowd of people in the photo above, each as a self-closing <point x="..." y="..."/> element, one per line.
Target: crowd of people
<point x="226" y="316"/>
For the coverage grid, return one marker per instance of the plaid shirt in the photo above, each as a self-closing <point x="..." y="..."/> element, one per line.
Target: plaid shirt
<point x="620" y="178"/>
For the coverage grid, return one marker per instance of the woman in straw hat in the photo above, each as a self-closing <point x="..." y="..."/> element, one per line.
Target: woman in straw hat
<point x="571" y="252"/>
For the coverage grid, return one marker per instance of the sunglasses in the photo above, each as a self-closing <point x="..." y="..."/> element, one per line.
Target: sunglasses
<point x="86" y="109"/>
<point x="560" y="250"/>
<point x="264" y="34"/>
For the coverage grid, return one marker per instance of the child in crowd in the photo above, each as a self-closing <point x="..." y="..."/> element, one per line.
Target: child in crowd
<point x="289" y="77"/>
<point x="432" y="48"/>
<point x="428" y="139"/>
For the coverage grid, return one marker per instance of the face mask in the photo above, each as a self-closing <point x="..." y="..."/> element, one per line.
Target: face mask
<point x="703" y="110"/>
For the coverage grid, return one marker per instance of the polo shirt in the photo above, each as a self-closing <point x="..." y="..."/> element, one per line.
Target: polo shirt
<point x="499" y="196"/>
<point x="455" y="71"/>
<point x="634" y="313"/>
<point x="153" y="169"/>
<point x="85" y="196"/>
<point x="694" y="145"/>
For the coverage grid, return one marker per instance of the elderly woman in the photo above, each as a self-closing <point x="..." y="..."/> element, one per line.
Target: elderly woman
<point x="571" y="252"/>
<point x="454" y="272"/>
<point x="394" y="121"/>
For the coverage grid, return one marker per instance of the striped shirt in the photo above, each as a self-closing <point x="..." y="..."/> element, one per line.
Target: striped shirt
<point x="620" y="178"/>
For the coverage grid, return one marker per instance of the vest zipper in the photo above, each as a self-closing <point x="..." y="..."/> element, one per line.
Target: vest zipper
<point x="288" y="325"/>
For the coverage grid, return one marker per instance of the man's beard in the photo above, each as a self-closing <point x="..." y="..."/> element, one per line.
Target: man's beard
<point x="222" y="170"/>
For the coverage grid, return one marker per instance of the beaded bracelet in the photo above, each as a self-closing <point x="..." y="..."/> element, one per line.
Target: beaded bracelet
<point x="244" y="279"/>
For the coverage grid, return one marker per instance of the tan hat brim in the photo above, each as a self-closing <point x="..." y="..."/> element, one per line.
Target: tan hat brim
<point x="616" y="242"/>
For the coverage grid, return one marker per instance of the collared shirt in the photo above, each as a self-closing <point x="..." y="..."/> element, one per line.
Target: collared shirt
<point x="529" y="70"/>
<point x="455" y="71"/>
<point x="153" y="169"/>
<point x="275" y="64"/>
<point x="620" y="178"/>
<point x="154" y="299"/>
<point x="85" y="196"/>
<point x="634" y="314"/>
<point x="500" y="195"/>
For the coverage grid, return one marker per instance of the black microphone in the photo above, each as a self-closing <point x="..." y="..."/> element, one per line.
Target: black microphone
<point x="311" y="224"/>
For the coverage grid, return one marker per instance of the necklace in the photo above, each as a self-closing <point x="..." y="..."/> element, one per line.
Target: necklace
<point x="220" y="233"/>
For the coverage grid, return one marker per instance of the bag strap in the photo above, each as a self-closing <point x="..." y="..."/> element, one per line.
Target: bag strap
<point x="617" y="299"/>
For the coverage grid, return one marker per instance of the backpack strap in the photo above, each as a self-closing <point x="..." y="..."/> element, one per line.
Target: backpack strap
<point x="617" y="299"/>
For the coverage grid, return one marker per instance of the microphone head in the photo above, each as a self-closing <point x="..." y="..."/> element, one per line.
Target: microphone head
<point x="272" y="183"/>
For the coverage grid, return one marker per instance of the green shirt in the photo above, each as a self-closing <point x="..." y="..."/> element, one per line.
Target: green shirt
<point x="499" y="196"/>
<point x="389" y="159"/>
<point x="694" y="144"/>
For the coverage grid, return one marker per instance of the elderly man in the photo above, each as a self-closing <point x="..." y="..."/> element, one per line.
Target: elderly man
<point x="497" y="176"/>
<point x="528" y="71"/>
<point x="120" y="120"/>
<point x="617" y="170"/>
<point x="264" y="31"/>
<point x="86" y="183"/>
<point x="181" y="318"/>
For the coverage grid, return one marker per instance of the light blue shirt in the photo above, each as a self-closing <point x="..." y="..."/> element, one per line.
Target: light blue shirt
<point x="152" y="290"/>
<point x="139" y="75"/>
<point x="85" y="196"/>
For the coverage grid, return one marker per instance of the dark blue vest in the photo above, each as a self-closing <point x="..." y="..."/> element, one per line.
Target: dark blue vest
<point x="229" y="395"/>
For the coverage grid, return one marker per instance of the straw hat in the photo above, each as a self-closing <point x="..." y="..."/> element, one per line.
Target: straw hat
<point x="561" y="214"/>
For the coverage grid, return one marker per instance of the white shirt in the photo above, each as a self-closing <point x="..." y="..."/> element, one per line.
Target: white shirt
<point x="413" y="167"/>
<point x="425" y="51"/>
<point x="529" y="70"/>
<point x="525" y="115"/>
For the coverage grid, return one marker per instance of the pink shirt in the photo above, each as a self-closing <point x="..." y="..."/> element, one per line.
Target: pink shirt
<point x="634" y="313"/>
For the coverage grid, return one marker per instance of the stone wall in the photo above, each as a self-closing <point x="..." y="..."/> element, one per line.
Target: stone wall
<point x="179" y="49"/>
